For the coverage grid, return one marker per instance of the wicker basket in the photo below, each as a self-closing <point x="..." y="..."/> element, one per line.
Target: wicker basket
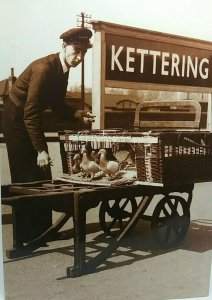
<point x="177" y="158"/>
<point x="168" y="158"/>
<point x="164" y="157"/>
<point x="116" y="143"/>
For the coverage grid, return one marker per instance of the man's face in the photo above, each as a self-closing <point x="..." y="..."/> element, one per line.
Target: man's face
<point x="74" y="55"/>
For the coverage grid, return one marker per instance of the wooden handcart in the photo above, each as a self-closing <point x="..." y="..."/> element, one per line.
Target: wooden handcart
<point x="125" y="205"/>
<point x="168" y="163"/>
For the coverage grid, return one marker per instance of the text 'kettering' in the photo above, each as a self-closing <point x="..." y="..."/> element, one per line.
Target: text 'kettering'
<point x="163" y="63"/>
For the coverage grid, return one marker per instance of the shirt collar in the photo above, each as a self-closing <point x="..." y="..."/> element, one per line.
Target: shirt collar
<point x="64" y="67"/>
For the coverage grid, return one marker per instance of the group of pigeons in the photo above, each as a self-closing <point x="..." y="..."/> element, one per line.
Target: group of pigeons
<point x="91" y="163"/>
<point x="95" y="164"/>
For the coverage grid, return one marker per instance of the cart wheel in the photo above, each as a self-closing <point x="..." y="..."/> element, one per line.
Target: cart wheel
<point x="113" y="214"/>
<point x="170" y="221"/>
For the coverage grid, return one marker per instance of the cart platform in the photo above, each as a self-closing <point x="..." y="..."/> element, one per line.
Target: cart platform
<point x="75" y="200"/>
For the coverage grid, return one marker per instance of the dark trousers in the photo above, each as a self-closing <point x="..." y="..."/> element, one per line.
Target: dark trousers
<point x="21" y="154"/>
<point x="29" y="219"/>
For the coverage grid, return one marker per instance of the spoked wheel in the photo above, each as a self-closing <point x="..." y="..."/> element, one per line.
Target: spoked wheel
<point x="170" y="221"/>
<point x="113" y="214"/>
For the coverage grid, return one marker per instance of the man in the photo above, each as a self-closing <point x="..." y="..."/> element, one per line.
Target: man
<point x="42" y="85"/>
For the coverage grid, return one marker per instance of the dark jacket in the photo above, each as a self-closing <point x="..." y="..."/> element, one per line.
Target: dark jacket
<point x="42" y="85"/>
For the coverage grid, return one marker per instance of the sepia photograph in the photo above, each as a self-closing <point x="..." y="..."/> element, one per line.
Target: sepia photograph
<point x="106" y="150"/>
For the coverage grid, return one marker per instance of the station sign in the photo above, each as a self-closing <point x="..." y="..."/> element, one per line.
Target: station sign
<point x="131" y="58"/>
<point x="137" y="60"/>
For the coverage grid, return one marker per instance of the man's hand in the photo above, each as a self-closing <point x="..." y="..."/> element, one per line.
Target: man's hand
<point x="43" y="159"/>
<point x="88" y="117"/>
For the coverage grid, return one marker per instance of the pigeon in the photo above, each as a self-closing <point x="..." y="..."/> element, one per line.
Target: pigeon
<point x="94" y="156"/>
<point x="108" y="167"/>
<point x="85" y="162"/>
<point x="93" y="168"/>
<point x="124" y="154"/>
<point x="77" y="162"/>
<point x="88" y="166"/>
<point x="91" y="152"/>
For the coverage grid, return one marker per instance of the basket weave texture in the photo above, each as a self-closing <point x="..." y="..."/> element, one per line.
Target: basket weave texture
<point x="177" y="158"/>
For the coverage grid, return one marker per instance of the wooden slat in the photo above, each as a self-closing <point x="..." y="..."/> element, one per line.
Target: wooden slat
<point x="21" y="190"/>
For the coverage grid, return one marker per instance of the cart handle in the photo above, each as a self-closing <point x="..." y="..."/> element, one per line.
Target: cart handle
<point x="186" y="105"/>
